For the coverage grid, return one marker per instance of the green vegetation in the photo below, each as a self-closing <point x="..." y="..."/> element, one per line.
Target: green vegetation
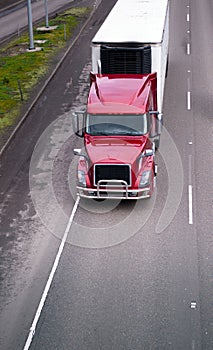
<point x="20" y="70"/>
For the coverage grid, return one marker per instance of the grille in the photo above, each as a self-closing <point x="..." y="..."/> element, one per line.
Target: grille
<point x="112" y="172"/>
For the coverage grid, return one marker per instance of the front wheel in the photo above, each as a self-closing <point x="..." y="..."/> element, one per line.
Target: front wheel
<point x="157" y="143"/>
<point x="167" y="66"/>
<point x="99" y="199"/>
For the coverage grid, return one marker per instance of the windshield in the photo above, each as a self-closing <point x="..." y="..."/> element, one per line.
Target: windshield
<point x="125" y="124"/>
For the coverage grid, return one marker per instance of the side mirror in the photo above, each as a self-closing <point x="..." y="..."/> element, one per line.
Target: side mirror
<point x="78" y="123"/>
<point x="158" y="123"/>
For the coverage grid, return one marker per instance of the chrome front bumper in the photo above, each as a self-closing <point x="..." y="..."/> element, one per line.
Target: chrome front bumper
<point x="115" y="189"/>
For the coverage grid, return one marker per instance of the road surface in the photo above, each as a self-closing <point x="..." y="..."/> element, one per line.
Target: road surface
<point x="130" y="275"/>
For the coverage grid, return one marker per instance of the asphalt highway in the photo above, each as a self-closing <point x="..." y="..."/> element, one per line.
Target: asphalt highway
<point x="111" y="275"/>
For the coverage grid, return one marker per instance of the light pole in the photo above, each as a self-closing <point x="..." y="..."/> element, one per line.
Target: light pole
<point x="30" y="24"/>
<point x="46" y="13"/>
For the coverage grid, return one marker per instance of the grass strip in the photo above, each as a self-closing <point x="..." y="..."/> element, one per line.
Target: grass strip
<point x="20" y="70"/>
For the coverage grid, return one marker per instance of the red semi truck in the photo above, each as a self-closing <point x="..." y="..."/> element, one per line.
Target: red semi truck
<point x="122" y="123"/>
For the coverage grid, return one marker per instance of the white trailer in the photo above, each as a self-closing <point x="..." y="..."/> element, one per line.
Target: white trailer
<point x="134" y="39"/>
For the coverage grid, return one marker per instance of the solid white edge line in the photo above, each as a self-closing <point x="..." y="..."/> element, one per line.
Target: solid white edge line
<point x="188" y="100"/>
<point x="49" y="281"/>
<point x="190" y="205"/>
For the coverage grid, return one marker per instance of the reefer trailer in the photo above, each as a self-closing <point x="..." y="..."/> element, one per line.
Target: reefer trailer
<point x="134" y="39"/>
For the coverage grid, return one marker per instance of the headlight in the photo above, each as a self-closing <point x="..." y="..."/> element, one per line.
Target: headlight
<point x="82" y="178"/>
<point x="145" y="178"/>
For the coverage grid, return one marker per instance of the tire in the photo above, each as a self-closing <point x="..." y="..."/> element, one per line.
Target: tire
<point x="99" y="199"/>
<point x="157" y="144"/>
<point x="167" y="66"/>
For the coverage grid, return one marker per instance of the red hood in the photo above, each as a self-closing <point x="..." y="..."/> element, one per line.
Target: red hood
<point x="120" y="93"/>
<point x="114" y="149"/>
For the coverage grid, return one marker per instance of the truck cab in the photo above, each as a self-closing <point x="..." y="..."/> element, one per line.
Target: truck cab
<point x="119" y="127"/>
